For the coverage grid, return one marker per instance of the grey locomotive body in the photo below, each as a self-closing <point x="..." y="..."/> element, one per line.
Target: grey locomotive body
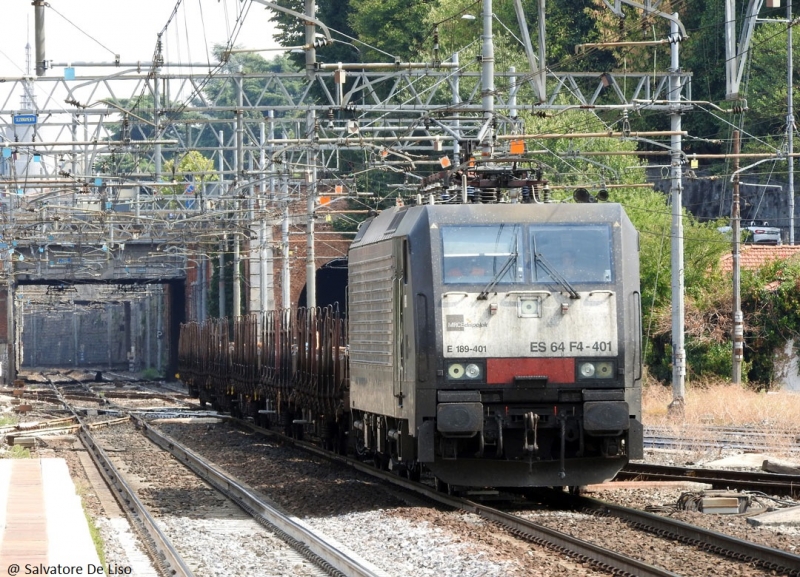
<point x="477" y="353"/>
<point x="493" y="345"/>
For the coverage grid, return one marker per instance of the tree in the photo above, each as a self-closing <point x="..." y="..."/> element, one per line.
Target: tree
<point x="192" y="171"/>
<point x="766" y="84"/>
<point x="335" y="15"/>
<point x="396" y="27"/>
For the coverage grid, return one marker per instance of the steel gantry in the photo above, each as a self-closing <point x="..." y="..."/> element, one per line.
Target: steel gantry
<point x="87" y="181"/>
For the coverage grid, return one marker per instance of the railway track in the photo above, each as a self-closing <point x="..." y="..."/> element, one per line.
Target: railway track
<point x="769" y="559"/>
<point x="731" y="547"/>
<point x="597" y="554"/>
<point x="602" y="558"/>
<point x="159" y="547"/>
<point x="733" y="438"/>
<point x="172" y="551"/>
<point x="771" y="483"/>
<point x="735" y="550"/>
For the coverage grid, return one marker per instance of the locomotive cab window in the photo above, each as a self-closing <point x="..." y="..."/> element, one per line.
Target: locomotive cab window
<point x="482" y="254"/>
<point x="576" y="253"/>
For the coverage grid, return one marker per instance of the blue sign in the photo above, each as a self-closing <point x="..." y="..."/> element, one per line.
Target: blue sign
<point x="24" y="119"/>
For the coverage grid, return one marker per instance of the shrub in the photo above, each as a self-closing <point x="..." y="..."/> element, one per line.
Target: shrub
<point x="151" y="374"/>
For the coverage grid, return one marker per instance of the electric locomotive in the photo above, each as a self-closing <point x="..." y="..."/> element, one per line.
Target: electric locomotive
<point x="495" y="345"/>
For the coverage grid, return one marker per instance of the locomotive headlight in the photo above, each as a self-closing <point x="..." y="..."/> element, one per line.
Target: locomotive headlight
<point x="473" y="371"/>
<point x="596" y="370"/>
<point x="604" y="370"/>
<point x="586" y="370"/>
<point x="529" y="307"/>
<point x="455" y="371"/>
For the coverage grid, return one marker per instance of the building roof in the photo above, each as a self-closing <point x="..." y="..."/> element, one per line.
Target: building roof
<point x="753" y="256"/>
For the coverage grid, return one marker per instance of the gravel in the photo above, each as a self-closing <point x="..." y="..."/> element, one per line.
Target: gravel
<point x="387" y="527"/>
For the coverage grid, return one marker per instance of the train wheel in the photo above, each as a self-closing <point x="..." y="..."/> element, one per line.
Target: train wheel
<point x="382" y="461"/>
<point x="414" y="471"/>
<point x="286" y="423"/>
<point x="441" y="486"/>
<point x="577" y="490"/>
<point x="341" y="440"/>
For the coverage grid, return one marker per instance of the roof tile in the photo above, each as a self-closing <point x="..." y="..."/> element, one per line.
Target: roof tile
<point x="754" y="256"/>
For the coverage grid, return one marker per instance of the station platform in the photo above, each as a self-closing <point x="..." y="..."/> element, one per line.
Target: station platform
<point x="43" y="529"/>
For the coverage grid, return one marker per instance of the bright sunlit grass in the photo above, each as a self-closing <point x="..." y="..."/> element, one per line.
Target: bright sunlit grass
<point x="775" y="416"/>
<point x="724" y="404"/>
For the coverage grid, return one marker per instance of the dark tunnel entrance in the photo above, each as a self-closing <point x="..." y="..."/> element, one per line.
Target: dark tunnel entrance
<point x="331" y="285"/>
<point x="112" y="325"/>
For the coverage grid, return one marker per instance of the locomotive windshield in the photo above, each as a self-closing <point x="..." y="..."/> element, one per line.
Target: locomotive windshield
<point x="577" y="253"/>
<point x="482" y="254"/>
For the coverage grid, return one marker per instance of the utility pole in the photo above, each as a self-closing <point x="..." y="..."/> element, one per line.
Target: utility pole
<point x="156" y="113"/>
<point x="676" y="191"/>
<point x="10" y="326"/>
<point x="237" y="277"/>
<point x="41" y="63"/>
<point x="456" y="88"/>
<point x="310" y="33"/>
<point x="268" y="248"/>
<point x="790" y="119"/>
<point x="286" y="276"/>
<point x="487" y="77"/>
<point x="223" y="246"/>
<point x="223" y="243"/>
<point x="311" y="267"/>
<point x="738" y="329"/>
<point x="238" y="185"/>
<point x="311" y="119"/>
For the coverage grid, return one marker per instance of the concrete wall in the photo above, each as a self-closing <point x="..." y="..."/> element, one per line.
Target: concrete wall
<point x="711" y="199"/>
<point x="121" y="334"/>
<point x="787" y="368"/>
<point x="84" y="337"/>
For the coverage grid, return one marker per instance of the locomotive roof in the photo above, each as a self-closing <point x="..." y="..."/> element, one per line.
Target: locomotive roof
<point x="399" y="221"/>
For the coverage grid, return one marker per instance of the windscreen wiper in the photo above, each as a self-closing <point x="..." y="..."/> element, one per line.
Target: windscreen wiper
<point x="554" y="274"/>
<point x="512" y="258"/>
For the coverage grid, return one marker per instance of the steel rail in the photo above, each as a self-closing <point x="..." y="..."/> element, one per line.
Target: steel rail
<point x="541" y="535"/>
<point x="158" y="544"/>
<point x="745" y="431"/>
<point x="617" y="563"/>
<point x="327" y="554"/>
<point x="767" y="557"/>
<point x="664" y="442"/>
<point x="719" y="479"/>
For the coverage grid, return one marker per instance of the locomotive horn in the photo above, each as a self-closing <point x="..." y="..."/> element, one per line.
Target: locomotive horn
<point x="582" y="195"/>
<point x="602" y="195"/>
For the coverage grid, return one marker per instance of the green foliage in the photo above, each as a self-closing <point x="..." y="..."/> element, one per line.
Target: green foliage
<point x="150" y="374"/>
<point x="16" y="452"/>
<point x="706" y="358"/>
<point x="771" y="301"/>
<point x="335" y="14"/>
<point x="192" y="167"/>
<point x="6" y="420"/>
<point x="224" y="93"/>
<point x="767" y="91"/>
<point x="395" y="27"/>
<point x="97" y="539"/>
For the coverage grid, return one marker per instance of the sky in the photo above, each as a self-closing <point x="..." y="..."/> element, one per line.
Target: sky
<point x="96" y="30"/>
